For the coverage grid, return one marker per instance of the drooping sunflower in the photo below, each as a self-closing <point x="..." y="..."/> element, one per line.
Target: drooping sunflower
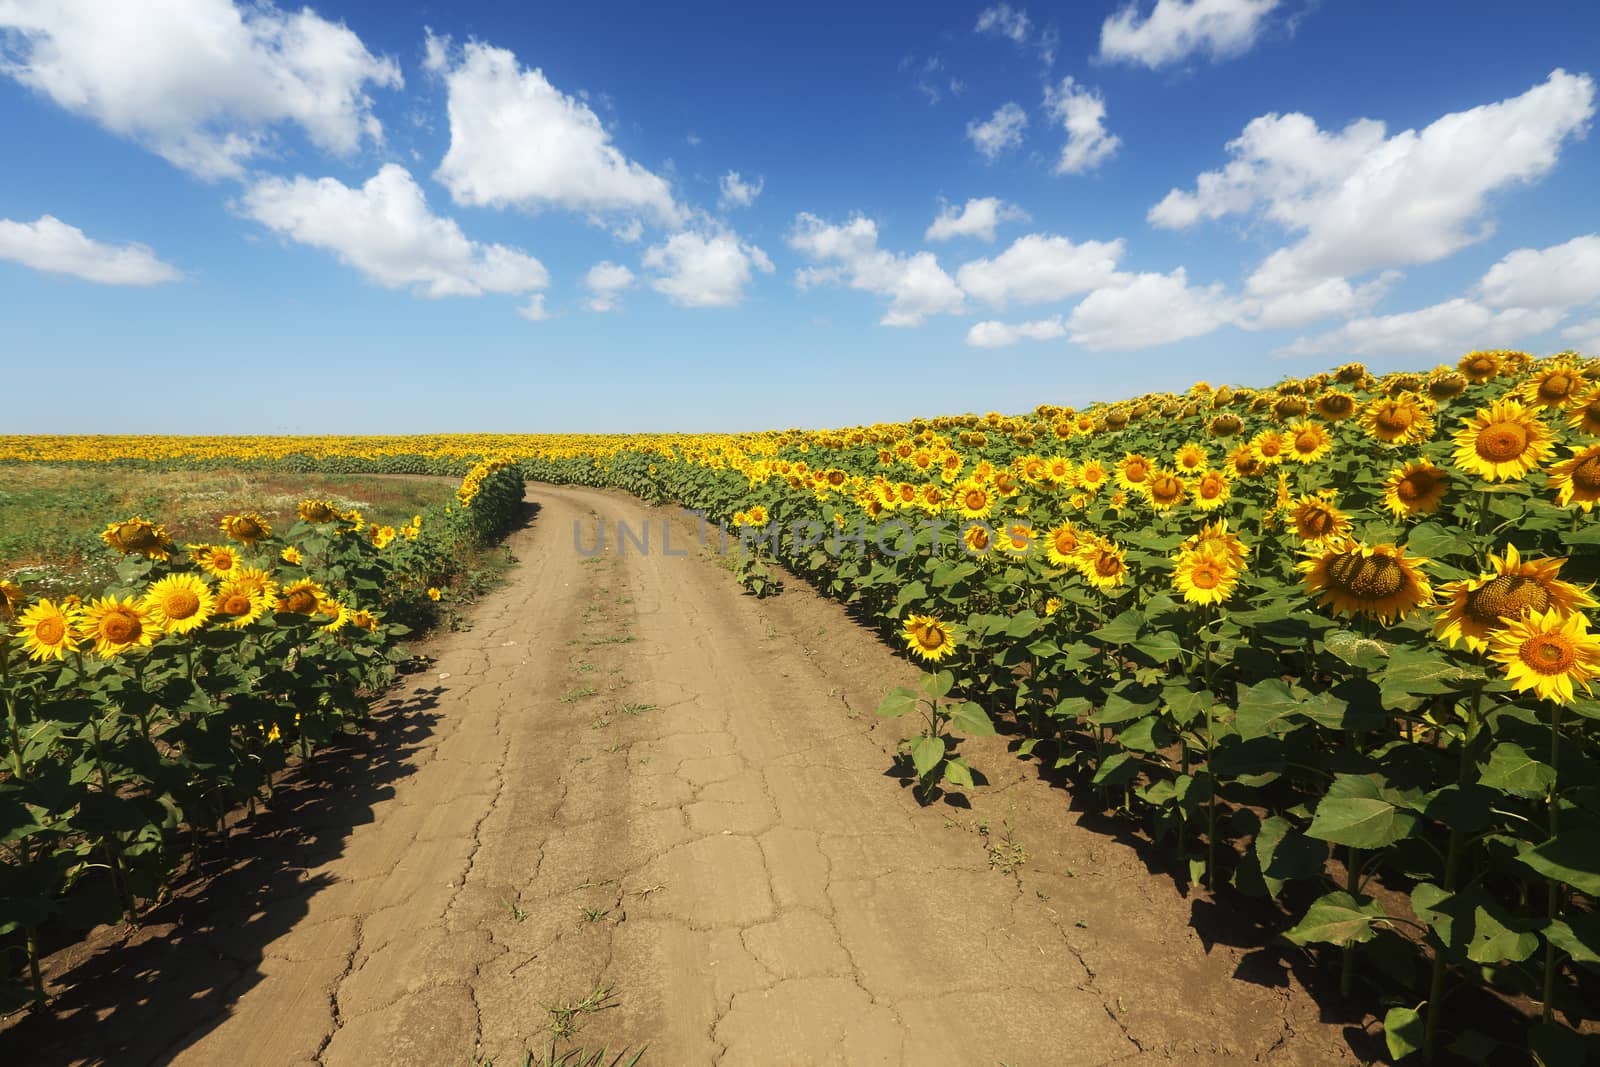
<point x="1210" y="491"/>
<point x="1316" y="521"/>
<point x="1403" y="419"/>
<point x="1502" y="442"/>
<point x="1244" y="462"/>
<point x="179" y="603"/>
<point x="11" y="598"/>
<point x="1547" y="652"/>
<point x="978" y="539"/>
<point x="219" y="561"/>
<point x="1418" y="488"/>
<point x="1191" y="459"/>
<point x="49" y="630"/>
<point x="1061" y="545"/>
<point x="135" y="535"/>
<point x="248" y="527"/>
<point x="1269" y="447"/>
<point x="1554" y="385"/>
<point x="1352" y="374"/>
<point x="115" y="626"/>
<point x="301" y="597"/>
<point x="239" y="604"/>
<point x="1583" y="413"/>
<point x="1378" y="581"/>
<point x="973" y="500"/>
<point x="1308" y="442"/>
<point x="1479" y="367"/>
<point x="1102" y="564"/>
<point x="336" y="614"/>
<point x="1204" y="578"/>
<point x="1576" y="480"/>
<point x="317" y="511"/>
<point x="364" y="620"/>
<point x="1477" y="607"/>
<point x="1226" y="424"/>
<point x="1015" y="538"/>
<point x="1133" y="470"/>
<point x="929" y="638"/>
<point x="1444" y="384"/>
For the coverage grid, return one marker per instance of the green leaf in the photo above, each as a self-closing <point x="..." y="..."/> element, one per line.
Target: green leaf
<point x="1162" y="646"/>
<point x="1572" y="857"/>
<point x="1493" y="941"/>
<point x="1402" y="1031"/>
<point x="1578" y="935"/>
<point x="970" y="719"/>
<point x="1336" y="919"/>
<point x="899" y="701"/>
<point x="1122" y="630"/>
<point x="1361" y="818"/>
<point x="1119" y="708"/>
<point x="1023" y="624"/>
<point x="937" y="685"/>
<point x="926" y="752"/>
<point x="1271" y="706"/>
<point x="957" y="771"/>
<point x="1357" y="650"/>
<point x="1285" y="854"/>
<point x="1117" y="769"/>
<point x="1511" y="770"/>
<point x="1422" y="672"/>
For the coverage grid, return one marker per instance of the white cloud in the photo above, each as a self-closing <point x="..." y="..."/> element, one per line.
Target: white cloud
<point x="203" y="83"/>
<point x="1584" y="336"/>
<point x="1141" y="310"/>
<point x="49" y="244"/>
<point x="607" y="280"/>
<point x="1442" y="331"/>
<point x="977" y="219"/>
<point x="1039" y="268"/>
<point x="1563" y="276"/>
<point x="1177" y="29"/>
<point x="917" y="285"/>
<point x="1364" y="200"/>
<point x="739" y="193"/>
<point x="1269" y="305"/>
<point x="1082" y="112"/>
<point x="995" y="334"/>
<point x="1001" y="131"/>
<point x="534" y="310"/>
<point x="697" y="270"/>
<point x="385" y="230"/>
<point x="516" y="140"/>
<point x="1004" y="21"/>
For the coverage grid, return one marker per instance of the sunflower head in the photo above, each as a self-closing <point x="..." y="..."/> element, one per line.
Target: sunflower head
<point x="240" y="603"/>
<point x="1210" y="491"/>
<point x="1418" y="488"/>
<point x="1334" y="406"/>
<point x="1377" y="581"/>
<point x="1476" y="608"/>
<point x="1583" y="414"/>
<point x="1226" y="424"/>
<point x="1204" y="578"/>
<point x="248" y="527"/>
<point x="364" y="620"/>
<point x="1502" y="442"/>
<point x="49" y="630"/>
<point x="1061" y="545"/>
<point x="219" y="561"/>
<point x="1402" y="419"/>
<point x="11" y="598"/>
<point x="1443" y="384"/>
<point x="317" y="511"/>
<point x="291" y="555"/>
<point x="1554" y="385"/>
<point x="1351" y="374"/>
<point x="1576" y="480"/>
<point x="1102" y="564"/>
<point x="1308" y="442"/>
<point x="1479" y="367"/>
<point x="1546" y="652"/>
<point x="1316" y="521"/>
<point x="179" y="603"/>
<point x="116" y="626"/>
<point x="1165" y="489"/>
<point x="301" y="597"/>
<point x="929" y="638"/>
<point x="135" y="535"/>
<point x="1133" y="470"/>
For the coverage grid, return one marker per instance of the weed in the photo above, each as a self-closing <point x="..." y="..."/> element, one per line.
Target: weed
<point x="564" y="1017"/>
<point x="593" y="915"/>
<point x="1006" y="855"/>
<point x="637" y="709"/>
<point x="600" y="724"/>
<point x="517" y="912"/>
<point x="578" y="694"/>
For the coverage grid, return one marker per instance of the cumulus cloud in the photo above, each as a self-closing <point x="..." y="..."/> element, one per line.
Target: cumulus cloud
<point x="534" y="309"/>
<point x="978" y="218"/>
<point x="1081" y="111"/>
<point x="48" y="244"/>
<point x="1000" y="131"/>
<point x="1174" y="30"/>
<point x="996" y="334"/>
<point x="1039" y="268"/>
<point x="849" y="254"/>
<point x="1563" y="276"/>
<point x="1003" y="20"/>
<point x="606" y="281"/>
<point x="704" y="270"/>
<point x="385" y="230"/>
<point x="1584" y="336"/>
<point x="203" y="83"/>
<point x="518" y="141"/>
<point x="1442" y="331"/>
<point x="736" y="192"/>
<point x="1143" y="310"/>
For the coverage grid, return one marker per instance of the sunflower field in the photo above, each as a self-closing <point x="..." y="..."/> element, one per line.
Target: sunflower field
<point x="1330" y="641"/>
<point x="137" y="720"/>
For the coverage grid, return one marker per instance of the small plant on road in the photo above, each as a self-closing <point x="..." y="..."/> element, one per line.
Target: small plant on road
<point x="932" y="752"/>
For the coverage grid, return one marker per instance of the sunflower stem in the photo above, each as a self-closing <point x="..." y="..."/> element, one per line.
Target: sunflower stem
<point x="1452" y="870"/>
<point x="31" y="935"/>
<point x="1352" y="880"/>
<point x="1554" y="894"/>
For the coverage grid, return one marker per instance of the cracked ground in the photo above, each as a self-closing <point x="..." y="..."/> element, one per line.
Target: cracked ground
<point x="632" y="791"/>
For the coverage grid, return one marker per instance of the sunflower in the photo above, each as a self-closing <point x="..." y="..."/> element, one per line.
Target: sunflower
<point x="1052" y="605"/>
<point x="1102" y="565"/>
<point x="1444" y="383"/>
<point x="1269" y="447"/>
<point x="1333" y="406"/>
<point x="929" y="638"/>
<point x="219" y="561"/>
<point x="248" y="527"/>
<point x="1479" y="367"/>
<point x="1546" y="652"/>
<point x="1352" y="374"/>
<point x="1210" y="491"/>
<point x="1308" y="442"/>
<point x="1583" y="414"/>
<point x="1061" y="545"/>
<point x="179" y="603"/>
<point x="1225" y="425"/>
<point x="1164" y="490"/>
<point x="257" y="579"/>
<point x="1244" y="462"/>
<point x="1479" y="606"/>
<point x="972" y="500"/>
<point x="364" y="620"/>
<point x="1203" y="578"/>
<point x="1418" y="488"/>
<point x="115" y="626"/>
<point x="1502" y="442"/>
<point x="240" y="603"/>
<point x="1556" y="385"/>
<point x="1397" y="420"/>
<point x="336" y="613"/>
<point x="978" y="538"/>
<point x="383" y="536"/>
<point x="317" y="511"/>
<point x="1133" y="470"/>
<point x="301" y="597"/>
<point x="291" y="555"/>
<point x="433" y="593"/>
<point x="1214" y="538"/>
<point x="1316" y="521"/>
<point x="136" y="535"/>
<point x="1377" y="581"/>
<point x="1191" y="459"/>
<point x="1289" y="407"/>
<point x="48" y="630"/>
<point x="1092" y="475"/>
<point x="1059" y="471"/>
<point x="1577" y="480"/>
<point x="11" y="598"/>
<point x="1015" y="538"/>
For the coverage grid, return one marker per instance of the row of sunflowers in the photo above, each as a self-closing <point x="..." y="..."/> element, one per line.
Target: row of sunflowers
<point x="138" y="719"/>
<point x="1329" y="642"/>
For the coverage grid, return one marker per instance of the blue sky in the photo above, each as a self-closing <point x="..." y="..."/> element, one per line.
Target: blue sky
<point x="381" y="217"/>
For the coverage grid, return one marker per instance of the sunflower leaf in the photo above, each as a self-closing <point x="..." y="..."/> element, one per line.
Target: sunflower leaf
<point x="1336" y="919"/>
<point x="1511" y="770"/>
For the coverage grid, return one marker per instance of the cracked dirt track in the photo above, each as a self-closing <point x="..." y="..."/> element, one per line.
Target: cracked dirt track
<point x="627" y="774"/>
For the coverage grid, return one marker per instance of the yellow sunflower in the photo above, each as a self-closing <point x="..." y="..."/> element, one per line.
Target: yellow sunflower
<point x="1204" y="578"/>
<point x="433" y="593"/>
<point x="383" y="536"/>
<point x="48" y="630"/>
<point x="1092" y="475"/>
<point x="1210" y="491"/>
<point x="1015" y="538"/>
<point x="972" y="500"/>
<point x="1269" y="447"/>
<point x="115" y="626"/>
<point x="1418" y="488"/>
<point x="1352" y="374"/>
<point x="1052" y="605"/>
<point x="1316" y="521"/>
<point x="135" y="535"/>
<point x="291" y="555"/>
<point x="240" y="603"/>
<point x="1133" y="471"/>
<point x="1244" y="462"/>
<point x="11" y="598"/>
<point x="978" y="539"/>
<point x="1216" y="539"/>
<point x="1061" y="545"/>
<point x="1444" y="383"/>
<point x="1059" y="471"/>
<point x="1397" y="420"/>
<point x="1377" y="581"/>
<point x="1191" y="459"/>
<point x="248" y="527"/>
<point x="317" y="511"/>
<point x="1102" y="565"/>
<point x="364" y="620"/>
<point x="929" y="638"/>
<point x="1479" y="367"/>
<point x="336" y="614"/>
<point x="1308" y="442"/>
<point x="1502" y="442"/>
<point x="1576" y="480"/>
<point x="179" y="603"/>
<point x="1554" y="385"/>
<point x="1547" y="652"/>
<point x="1165" y="490"/>
<point x="301" y="597"/>
<point x="219" y="561"/>
<point x="1479" y="606"/>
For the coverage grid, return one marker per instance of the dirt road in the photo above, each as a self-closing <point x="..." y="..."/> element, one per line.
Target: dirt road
<point x="634" y="804"/>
